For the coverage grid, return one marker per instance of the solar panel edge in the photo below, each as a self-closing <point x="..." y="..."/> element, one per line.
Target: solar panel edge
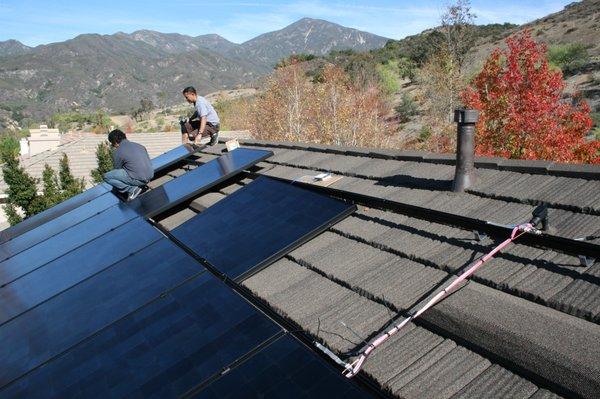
<point x="106" y="267"/>
<point x="4" y="257"/>
<point x="167" y="290"/>
<point x="179" y="233"/>
<point x="42" y="242"/>
<point x="151" y="212"/>
<point x="334" y="376"/>
<point x="31" y="222"/>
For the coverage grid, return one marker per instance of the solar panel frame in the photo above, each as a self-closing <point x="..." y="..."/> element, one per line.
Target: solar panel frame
<point x="262" y="221"/>
<point x="171" y="157"/>
<point x="159" y="164"/>
<point x="65" y="241"/>
<point x="52" y="213"/>
<point x="283" y="369"/>
<point x="162" y="349"/>
<point x="196" y="181"/>
<point x="60" y="323"/>
<point x="70" y="269"/>
<point x="57" y="225"/>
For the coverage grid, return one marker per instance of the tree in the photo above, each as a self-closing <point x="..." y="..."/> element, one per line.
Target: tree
<point x="22" y="190"/>
<point x="457" y="26"/>
<point x="104" y="160"/>
<point x="69" y="185"/>
<point x="23" y="197"/>
<point x="522" y="114"/>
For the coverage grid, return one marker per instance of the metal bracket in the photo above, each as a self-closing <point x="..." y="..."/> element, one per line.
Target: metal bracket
<point x="479" y="236"/>
<point x="585" y="261"/>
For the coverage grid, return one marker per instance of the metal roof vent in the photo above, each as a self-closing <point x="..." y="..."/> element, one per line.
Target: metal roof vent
<point x="464" y="176"/>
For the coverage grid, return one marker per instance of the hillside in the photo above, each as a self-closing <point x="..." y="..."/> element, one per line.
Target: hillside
<point x="113" y="72"/>
<point x="13" y="47"/>
<point x="311" y="36"/>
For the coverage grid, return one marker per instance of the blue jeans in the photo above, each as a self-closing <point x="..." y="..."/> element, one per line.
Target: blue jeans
<point x="119" y="179"/>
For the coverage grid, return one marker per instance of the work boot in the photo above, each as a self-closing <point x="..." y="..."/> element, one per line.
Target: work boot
<point x="134" y="193"/>
<point x="214" y="139"/>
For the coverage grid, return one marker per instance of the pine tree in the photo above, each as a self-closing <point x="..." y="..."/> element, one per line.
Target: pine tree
<point x="69" y="185"/>
<point x="23" y="197"/>
<point x="22" y="188"/>
<point x="105" y="162"/>
<point x="52" y="194"/>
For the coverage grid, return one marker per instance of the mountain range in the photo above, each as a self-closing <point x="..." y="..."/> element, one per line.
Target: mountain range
<point x="113" y="72"/>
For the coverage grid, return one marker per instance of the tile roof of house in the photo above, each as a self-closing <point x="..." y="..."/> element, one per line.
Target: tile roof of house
<point x="525" y="326"/>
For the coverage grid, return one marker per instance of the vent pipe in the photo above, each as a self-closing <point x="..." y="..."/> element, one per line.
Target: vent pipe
<point x="464" y="176"/>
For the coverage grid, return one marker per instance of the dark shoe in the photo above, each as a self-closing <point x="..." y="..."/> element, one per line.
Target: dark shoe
<point x="214" y="139"/>
<point x="134" y="193"/>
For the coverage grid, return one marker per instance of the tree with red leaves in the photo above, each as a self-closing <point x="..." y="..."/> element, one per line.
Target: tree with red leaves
<point x="522" y="114"/>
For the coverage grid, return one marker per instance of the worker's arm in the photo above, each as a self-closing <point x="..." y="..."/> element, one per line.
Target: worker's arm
<point x="117" y="160"/>
<point x="202" y="125"/>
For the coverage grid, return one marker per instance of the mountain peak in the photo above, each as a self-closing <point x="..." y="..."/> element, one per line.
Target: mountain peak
<point x="312" y="36"/>
<point x="13" y="47"/>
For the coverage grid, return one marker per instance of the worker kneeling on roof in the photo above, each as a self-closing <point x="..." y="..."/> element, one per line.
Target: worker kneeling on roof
<point x="208" y="121"/>
<point x="132" y="166"/>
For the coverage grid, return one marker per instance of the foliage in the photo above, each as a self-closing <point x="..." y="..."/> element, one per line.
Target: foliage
<point x="69" y="185"/>
<point x="22" y="192"/>
<point x="146" y="106"/>
<point x="98" y="121"/>
<point x="442" y="83"/>
<point x="406" y="109"/>
<point x="568" y="57"/>
<point x="388" y="77"/>
<point x="521" y="111"/>
<point x="294" y="58"/>
<point x="406" y="68"/>
<point x="234" y="113"/>
<point x="104" y="161"/>
<point x="458" y="30"/>
<point x="332" y="110"/>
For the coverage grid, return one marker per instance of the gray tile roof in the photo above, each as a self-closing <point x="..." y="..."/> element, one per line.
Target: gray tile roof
<point x="526" y="326"/>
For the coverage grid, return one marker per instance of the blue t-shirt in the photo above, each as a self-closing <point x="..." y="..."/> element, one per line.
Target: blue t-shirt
<point x="204" y="108"/>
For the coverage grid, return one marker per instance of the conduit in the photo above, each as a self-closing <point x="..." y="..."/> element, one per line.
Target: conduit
<point x="351" y="369"/>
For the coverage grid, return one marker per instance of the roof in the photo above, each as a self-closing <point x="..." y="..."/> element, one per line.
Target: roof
<point x="525" y="326"/>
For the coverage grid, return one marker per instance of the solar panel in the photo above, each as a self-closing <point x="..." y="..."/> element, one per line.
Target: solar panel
<point x="161" y="350"/>
<point x="171" y="157"/>
<point x="58" y="324"/>
<point x="61" y="274"/>
<point x="284" y="369"/>
<point x="194" y="182"/>
<point x="258" y="224"/>
<point x="55" y="226"/>
<point x="63" y="242"/>
<point x="159" y="163"/>
<point x="52" y="213"/>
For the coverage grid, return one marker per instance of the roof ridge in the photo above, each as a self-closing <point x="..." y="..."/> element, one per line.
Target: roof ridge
<point x="541" y="167"/>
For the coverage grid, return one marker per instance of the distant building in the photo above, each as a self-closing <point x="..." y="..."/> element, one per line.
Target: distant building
<point x="40" y="140"/>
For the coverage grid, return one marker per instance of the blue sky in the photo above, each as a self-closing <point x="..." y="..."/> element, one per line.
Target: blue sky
<point x="40" y="22"/>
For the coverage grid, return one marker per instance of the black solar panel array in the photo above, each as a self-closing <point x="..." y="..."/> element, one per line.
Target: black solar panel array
<point x="159" y="163"/>
<point x="98" y="303"/>
<point x="257" y="225"/>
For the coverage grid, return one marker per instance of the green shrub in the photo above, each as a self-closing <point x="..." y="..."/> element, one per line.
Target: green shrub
<point x="104" y="161"/>
<point x="407" y="108"/>
<point x="568" y="57"/>
<point x="425" y="134"/>
<point x="388" y="77"/>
